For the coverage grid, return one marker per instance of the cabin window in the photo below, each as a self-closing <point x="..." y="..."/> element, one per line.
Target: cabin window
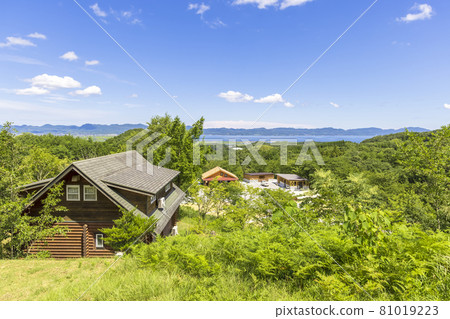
<point x="98" y="240"/>
<point x="226" y="175"/>
<point x="75" y="178"/>
<point x="152" y="199"/>
<point x="73" y="192"/>
<point x="167" y="188"/>
<point x="90" y="193"/>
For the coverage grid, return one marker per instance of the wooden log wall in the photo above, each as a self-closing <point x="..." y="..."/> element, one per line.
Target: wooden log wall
<point x="78" y="242"/>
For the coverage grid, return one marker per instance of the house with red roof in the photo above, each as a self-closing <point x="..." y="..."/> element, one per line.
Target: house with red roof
<point x="219" y="174"/>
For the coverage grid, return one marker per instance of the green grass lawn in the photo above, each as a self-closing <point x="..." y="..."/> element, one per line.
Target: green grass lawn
<point x="53" y="279"/>
<point x="48" y="279"/>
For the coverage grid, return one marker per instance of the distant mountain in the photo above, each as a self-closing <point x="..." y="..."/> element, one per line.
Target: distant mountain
<point x="327" y="131"/>
<point x="83" y="130"/>
<point x="115" y="129"/>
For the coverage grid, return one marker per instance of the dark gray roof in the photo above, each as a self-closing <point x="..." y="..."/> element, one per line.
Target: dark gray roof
<point x="37" y="184"/>
<point x="258" y="174"/>
<point x="292" y="177"/>
<point x="148" y="182"/>
<point x="128" y="169"/>
<point x="172" y="202"/>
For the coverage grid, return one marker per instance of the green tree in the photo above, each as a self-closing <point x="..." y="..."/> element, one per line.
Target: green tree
<point x="425" y="159"/>
<point x="202" y="197"/>
<point x="10" y="157"/>
<point x="39" y="165"/>
<point x="180" y="146"/>
<point x="20" y="231"/>
<point x="128" y="229"/>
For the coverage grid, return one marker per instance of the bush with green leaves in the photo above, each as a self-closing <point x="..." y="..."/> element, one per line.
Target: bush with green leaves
<point x="130" y="228"/>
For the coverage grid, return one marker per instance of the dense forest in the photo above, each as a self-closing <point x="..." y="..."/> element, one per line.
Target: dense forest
<point x="376" y="229"/>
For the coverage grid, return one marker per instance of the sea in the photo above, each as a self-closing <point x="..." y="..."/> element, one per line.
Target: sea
<point x="273" y="139"/>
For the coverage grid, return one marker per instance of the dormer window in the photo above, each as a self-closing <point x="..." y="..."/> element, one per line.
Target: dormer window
<point x="90" y="193"/>
<point x="73" y="193"/>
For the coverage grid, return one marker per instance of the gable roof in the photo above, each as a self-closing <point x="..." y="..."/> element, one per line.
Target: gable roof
<point x="215" y="170"/>
<point x="292" y="177"/>
<point x="258" y="174"/>
<point x="37" y="184"/>
<point x="129" y="170"/>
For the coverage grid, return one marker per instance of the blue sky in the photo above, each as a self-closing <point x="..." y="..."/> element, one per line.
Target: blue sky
<point x="227" y="61"/>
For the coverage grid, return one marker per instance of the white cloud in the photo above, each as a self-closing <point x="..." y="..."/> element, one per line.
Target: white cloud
<point x="215" y="24"/>
<point x="235" y="97"/>
<point x="135" y="96"/>
<point x="199" y="7"/>
<point x="34" y="90"/>
<point x="335" y="104"/>
<point x="92" y="62"/>
<point x="44" y="83"/>
<point x="54" y="82"/>
<point x="91" y="90"/>
<point x="12" y="41"/>
<point x="447" y="106"/>
<point x="252" y="124"/>
<point x="292" y="3"/>
<point x="136" y="21"/>
<point x="98" y="12"/>
<point x="69" y="56"/>
<point x="37" y="35"/>
<point x="425" y="11"/>
<point x="262" y="4"/>
<point x="282" y="4"/>
<point x="401" y="43"/>
<point x="274" y="98"/>
<point x="127" y="14"/>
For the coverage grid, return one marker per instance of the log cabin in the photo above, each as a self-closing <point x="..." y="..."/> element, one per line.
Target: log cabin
<point x="292" y="181"/>
<point x="95" y="189"/>
<point x="260" y="177"/>
<point x="219" y="174"/>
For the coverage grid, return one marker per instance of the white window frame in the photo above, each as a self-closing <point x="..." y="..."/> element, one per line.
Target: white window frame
<point x="152" y="199"/>
<point x="84" y="193"/>
<point x="67" y="193"/>
<point x="97" y="236"/>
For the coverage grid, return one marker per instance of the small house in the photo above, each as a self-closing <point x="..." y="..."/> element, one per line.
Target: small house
<point x="94" y="189"/>
<point x="219" y="174"/>
<point x="260" y="177"/>
<point x="292" y="181"/>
